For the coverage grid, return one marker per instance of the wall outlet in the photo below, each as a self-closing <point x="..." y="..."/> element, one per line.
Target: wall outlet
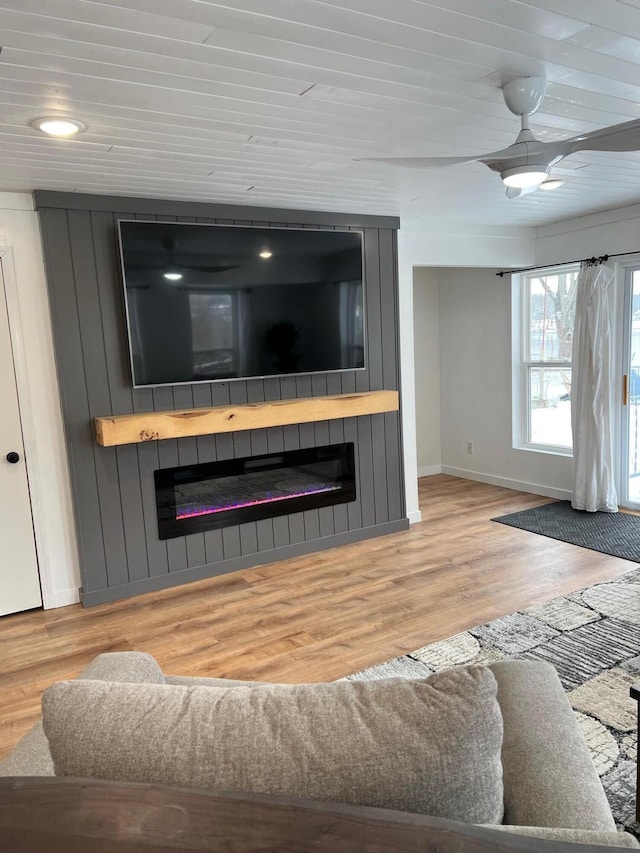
<point x="470" y="448"/>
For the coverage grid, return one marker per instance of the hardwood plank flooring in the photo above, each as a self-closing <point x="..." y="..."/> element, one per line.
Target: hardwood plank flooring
<point x="317" y="617"/>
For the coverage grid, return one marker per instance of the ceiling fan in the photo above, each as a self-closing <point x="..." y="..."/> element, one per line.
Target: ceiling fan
<point x="525" y="165"/>
<point x="174" y="264"/>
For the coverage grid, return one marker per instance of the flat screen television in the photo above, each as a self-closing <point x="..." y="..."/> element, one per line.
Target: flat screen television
<point x="221" y="302"/>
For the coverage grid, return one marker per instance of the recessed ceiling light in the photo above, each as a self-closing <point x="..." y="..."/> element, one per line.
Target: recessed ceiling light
<point x="266" y="254"/>
<point x="56" y="126"/>
<point x="551" y="184"/>
<point x="173" y="276"/>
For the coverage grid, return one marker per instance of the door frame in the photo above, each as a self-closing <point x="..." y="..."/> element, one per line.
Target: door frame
<point x="624" y="353"/>
<point x="32" y="463"/>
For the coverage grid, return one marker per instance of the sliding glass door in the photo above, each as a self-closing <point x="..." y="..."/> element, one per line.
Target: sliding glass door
<point x="630" y="465"/>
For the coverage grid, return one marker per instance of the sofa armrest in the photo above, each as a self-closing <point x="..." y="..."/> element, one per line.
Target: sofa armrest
<point x="131" y="667"/>
<point x="549" y="776"/>
<point x="31" y="756"/>
<point x="634" y="692"/>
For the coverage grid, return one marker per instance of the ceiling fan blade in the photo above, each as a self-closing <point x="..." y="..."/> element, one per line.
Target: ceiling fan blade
<point x="513" y="152"/>
<point x="516" y="192"/>
<point x="617" y="137"/>
<point x="418" y="162"/>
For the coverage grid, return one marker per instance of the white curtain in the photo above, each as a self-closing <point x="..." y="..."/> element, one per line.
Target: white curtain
<point x="593" y="481"/>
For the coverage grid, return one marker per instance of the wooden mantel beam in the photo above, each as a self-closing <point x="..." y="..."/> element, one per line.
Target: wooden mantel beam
<point x="154" y="426"/>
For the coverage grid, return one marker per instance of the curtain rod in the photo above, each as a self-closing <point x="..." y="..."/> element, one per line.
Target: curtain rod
<point x="601" y="259"/>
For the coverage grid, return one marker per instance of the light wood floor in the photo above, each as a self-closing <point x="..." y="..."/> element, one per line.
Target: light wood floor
<point x="318" y="617"/>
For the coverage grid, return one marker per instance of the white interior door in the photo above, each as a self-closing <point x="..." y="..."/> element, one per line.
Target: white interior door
<point x="19" y="578"/>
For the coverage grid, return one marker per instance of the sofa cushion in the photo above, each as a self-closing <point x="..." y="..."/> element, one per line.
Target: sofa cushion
<point x="430" y="746"/>
<point x="540" y="725"/>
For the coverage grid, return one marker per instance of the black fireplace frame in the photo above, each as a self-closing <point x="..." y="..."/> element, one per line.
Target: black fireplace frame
<point x="170" y="527"/>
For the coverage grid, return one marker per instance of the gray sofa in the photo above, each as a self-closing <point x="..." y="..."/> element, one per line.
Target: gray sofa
<point x="547" y="784"/>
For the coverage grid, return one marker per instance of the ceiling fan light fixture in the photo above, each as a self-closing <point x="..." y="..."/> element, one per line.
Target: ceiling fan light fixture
<point x="525" y="176"/>
<point x="551" y="184"/>
<point x="58" y="126"/>
<point x="173" y="276"/>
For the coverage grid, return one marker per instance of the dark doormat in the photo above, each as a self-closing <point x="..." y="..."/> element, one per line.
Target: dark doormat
<point x="614" y="533"/>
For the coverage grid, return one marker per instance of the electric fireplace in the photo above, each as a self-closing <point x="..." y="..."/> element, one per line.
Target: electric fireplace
<point x="193" y="498"/>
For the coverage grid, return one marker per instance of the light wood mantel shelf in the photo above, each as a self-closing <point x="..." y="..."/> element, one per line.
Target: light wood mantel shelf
<point x="153" y="426"/>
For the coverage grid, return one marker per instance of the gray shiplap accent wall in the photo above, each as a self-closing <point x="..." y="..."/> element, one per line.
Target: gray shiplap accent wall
<point x="120" y="552"/>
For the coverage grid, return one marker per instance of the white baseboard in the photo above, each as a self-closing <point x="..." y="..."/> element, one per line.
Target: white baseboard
<point x="518" y="485"/>
<point x="414" y="517"/>
<point x="429" y="470"/>
<point x="64" y="597"/>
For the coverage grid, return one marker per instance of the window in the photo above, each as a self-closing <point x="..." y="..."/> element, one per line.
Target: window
<point x="547" y="311"/>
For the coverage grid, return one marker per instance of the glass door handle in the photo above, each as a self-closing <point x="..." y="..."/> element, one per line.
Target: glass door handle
<point x="625" y="390"/>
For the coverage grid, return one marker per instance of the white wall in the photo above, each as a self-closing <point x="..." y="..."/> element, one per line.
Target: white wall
<point x="475" y="359"/>
<point x="40" y="405"/>
<point x="442" y="244"/>
<point x="598" y="234"/>
<point x="426" y="325"/>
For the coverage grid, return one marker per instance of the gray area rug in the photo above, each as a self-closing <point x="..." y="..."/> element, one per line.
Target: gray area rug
<point x="592" y="637"/>
<point x="614" y="533"/>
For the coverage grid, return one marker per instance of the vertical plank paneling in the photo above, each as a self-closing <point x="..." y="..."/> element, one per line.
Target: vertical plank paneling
<point x="231" y="545"/>
<point x="224" y="450"/>
<point x="271" y="389"/>
<point x="148" y="462"/>
<point x="391" y="373"/>
<point x="267" y="527"/>
<point x="373" y="316"/>
<point x="257" y="437"/>
<point x="168" y="458"/>
<point x="248" y="538"/>
<point x="103" y="228"/>
<point x="366" y="461"/>
<point x="263" y="540"/>
<point x="187" y="447"/>
<point x="307" y="432"/>
<point x="98" y="392"/>
<point x="205" y="444"/>
<point x="264" y="534"/>
<point x="336" y="436"/>
<point x="64" y="310"/>
<point x="236" y="539"/>
<point x="188" y="455"/>
<point x="325" y="513"/>
<point x="375" y="336"/>
<point x="223" y="441"/>
<point x="242" y="439"/>
<point x="289" y="529"/>
<point x="350" y="425"/>
<point x="371" y="430"/>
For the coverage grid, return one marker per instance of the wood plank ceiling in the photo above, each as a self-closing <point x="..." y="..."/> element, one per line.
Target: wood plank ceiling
<point x="269" y="102"/>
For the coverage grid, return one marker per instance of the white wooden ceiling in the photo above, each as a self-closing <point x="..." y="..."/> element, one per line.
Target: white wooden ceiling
<point x="269" y="102"/>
